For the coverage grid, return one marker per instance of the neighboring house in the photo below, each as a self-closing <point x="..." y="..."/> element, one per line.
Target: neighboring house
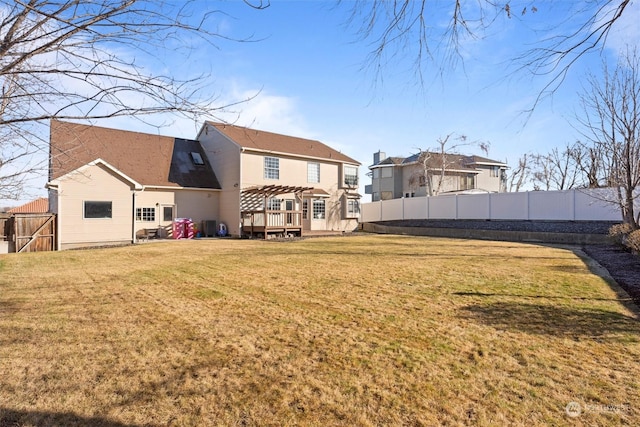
<point x="422" y="175"/>
<point x="110" y="186"/>
<point x="40" y="205"/>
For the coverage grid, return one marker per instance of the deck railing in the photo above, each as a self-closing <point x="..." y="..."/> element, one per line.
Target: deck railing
<point x="274" y="219"/>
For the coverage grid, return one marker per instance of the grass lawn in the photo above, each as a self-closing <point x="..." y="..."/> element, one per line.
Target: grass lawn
<point x="362" y="330"/>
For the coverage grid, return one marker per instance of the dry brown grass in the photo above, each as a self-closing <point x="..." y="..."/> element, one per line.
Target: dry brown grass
<point x="362" y="330"/>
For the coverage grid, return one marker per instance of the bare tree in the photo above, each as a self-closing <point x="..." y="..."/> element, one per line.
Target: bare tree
<point x="414" y="28"/>
<point x="557" y="170"/>
<point x="521" y="174"/>
<point x="589" y="164"/>
<point x="437" y="163"/>
<point x="611" y="125"/>
<point x="91" y="59"/>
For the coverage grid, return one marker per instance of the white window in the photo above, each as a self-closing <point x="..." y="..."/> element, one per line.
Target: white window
<point x="274" y="204"/>
<point x="271" y="168"/>
<point x="313" y="173"/>
<point x="145" y="214"/>
<point x="353" y="208"/>
<point x="95" y="210"/>
<point x="318" y="209"/>
<point x="350" y="175"/>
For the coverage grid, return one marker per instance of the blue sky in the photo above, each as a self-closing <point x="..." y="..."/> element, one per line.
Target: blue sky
<point x="306" y="72"/>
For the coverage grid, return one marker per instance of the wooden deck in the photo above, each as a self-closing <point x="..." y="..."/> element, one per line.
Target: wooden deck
<point x="274" y="222"/>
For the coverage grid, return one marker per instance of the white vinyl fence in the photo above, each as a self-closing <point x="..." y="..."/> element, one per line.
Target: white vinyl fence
<point x="568" y="205"/>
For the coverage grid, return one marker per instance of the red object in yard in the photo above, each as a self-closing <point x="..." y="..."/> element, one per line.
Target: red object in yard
<point x="183" y="228"/>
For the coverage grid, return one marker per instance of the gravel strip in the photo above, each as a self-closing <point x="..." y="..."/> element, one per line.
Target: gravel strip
<point x="588" y="227"/>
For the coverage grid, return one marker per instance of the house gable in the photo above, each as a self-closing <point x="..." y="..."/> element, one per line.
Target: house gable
<point x="82" y="172"/>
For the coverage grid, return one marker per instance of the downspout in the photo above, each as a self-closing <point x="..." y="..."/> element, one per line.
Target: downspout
<point x="133" y="217"/>
<point x="51" y="189"/>
<point x="58" y="202"/>
<point x="240" y="196"/>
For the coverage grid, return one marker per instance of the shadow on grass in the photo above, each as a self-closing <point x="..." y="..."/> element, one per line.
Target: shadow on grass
<point x="14" y="417"/>
<point x="506" y="294"/>
<point x="555" y="320"/>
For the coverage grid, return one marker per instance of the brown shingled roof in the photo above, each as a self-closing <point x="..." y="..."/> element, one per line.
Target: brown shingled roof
<point x="273" y="142"/>
<point x="151" y="160"/>
<point x="40" y="205"/>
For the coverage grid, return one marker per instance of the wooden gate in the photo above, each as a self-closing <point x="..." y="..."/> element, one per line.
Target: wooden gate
<point x="30" y="232"/>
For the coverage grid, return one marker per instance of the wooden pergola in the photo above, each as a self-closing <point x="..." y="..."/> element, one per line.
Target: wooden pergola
<point x="257" y="218"/>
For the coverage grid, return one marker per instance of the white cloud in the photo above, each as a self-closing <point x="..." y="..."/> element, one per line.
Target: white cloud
<point x="267" y="111"/>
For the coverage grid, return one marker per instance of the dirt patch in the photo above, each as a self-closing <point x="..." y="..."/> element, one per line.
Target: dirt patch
<point x="622" y="265"/>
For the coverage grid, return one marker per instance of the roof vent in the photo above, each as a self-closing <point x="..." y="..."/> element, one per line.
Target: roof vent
<point x="197" y="158"/>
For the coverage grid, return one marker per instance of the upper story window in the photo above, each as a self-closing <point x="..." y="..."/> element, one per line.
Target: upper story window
<point x="376" y="173"/>
<point x="494" y="171"/>
<point x="387" y="172"/>
<point x="350" y="175"/>
<point x="271" y="168"/>
<point x="313" y="173"/>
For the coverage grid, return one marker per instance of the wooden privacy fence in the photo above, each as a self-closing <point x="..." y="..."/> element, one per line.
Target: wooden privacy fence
<point x="22" y="232"/>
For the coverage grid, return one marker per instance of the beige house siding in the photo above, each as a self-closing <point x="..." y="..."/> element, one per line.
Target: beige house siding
<point x="485" y="181"/>
<point x="411" y="181"/>
<point x="293" y="171"/>
<point x="149" y="199"/>
<point x="224" y="156"/>
<point x="93" y="183"/>
<point x="198" y="205"/>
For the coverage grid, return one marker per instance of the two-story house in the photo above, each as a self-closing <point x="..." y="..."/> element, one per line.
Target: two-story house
<point x="108" y="185"/>
<point x="430" y="174"/>
<point x="304" y="184"/>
